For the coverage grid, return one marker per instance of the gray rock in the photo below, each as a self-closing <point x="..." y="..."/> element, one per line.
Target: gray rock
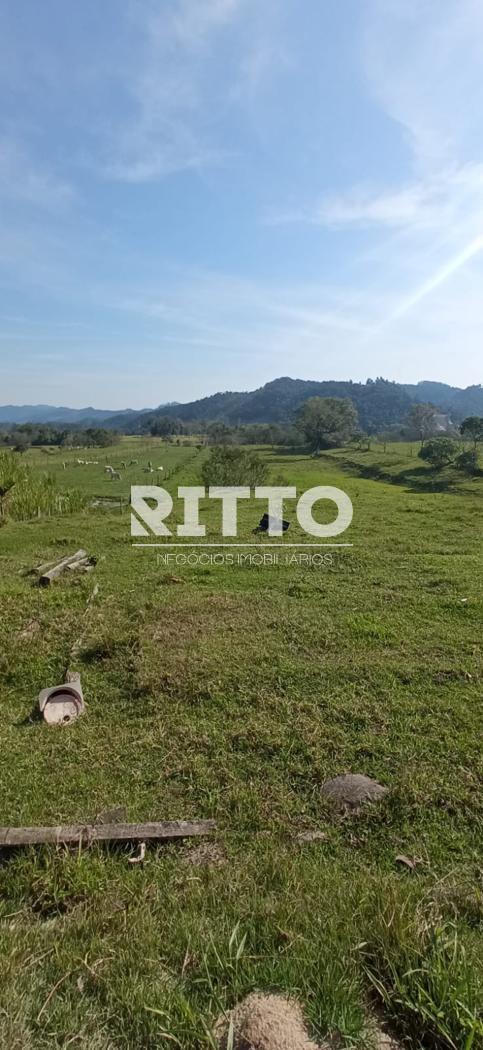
<point x="351" y="790"/>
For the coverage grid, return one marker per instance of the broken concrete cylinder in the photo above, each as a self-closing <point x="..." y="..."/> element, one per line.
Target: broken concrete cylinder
<point x="62" y="704"/>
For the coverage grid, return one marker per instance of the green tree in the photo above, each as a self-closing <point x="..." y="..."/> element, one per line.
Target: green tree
<point x="164" y="426"/>
<point x="219" y="434"/>
<point x="327" y="422"/>
<point x="21" y="444"/>
<point x="472" y="428"/>
<point x="421" y="418"/>
<point x="438" y="452"/>
<point x="233" y="466"/>
<point x="467" y="462"/>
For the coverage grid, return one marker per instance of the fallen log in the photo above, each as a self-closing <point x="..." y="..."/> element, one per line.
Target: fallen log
<point x="86" y="834"/>
<point x="51" y="574"/>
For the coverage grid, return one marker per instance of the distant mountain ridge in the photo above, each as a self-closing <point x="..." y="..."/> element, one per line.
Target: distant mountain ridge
<point x="55" y="414"/>
<point x="62" y="414"/>
<point x="380" y="403"/>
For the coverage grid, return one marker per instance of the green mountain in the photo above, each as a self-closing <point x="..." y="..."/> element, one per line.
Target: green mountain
<point x="379" y="403"/>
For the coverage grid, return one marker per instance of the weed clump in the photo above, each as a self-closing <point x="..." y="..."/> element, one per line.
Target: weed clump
<point x="23" y="496"/>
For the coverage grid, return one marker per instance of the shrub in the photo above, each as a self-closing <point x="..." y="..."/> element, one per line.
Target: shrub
<point x="438" y="452"/>
<point x="327" y="422"/>
<point x="227" y="465"/>
<point x="467" y="462"/>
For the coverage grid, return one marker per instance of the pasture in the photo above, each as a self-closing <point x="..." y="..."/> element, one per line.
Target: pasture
<point x="234" y="692"/>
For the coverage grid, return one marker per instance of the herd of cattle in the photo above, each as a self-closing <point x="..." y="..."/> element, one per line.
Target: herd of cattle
<point x="113" y="474"/>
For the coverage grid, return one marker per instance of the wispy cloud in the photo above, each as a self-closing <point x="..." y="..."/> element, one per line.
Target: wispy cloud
<point x="422" y="72"/>
<point x="30" y="182"/>
<point x="422" y="63"/>
<point x="175" y="106"/>
<point x="443" y="199"/>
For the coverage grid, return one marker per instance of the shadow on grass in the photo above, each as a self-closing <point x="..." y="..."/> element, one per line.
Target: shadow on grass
<point x="414" y="479"/>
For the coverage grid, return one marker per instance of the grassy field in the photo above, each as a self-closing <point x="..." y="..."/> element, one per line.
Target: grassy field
<point x="234" y="692"/>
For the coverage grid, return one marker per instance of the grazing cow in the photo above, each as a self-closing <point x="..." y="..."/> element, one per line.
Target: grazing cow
<point x="108" y="470"/>
<point x="115" y="474"/>
<point x="133" y="463"/>
<point x="160" y="468"/>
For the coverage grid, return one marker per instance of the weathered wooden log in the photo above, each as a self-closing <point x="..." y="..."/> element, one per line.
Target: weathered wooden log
<point x="85" y="834"/>
<point x="51" y="574"/>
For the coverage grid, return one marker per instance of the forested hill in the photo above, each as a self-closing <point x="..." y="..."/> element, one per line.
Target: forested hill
<point x="379" y="403"/>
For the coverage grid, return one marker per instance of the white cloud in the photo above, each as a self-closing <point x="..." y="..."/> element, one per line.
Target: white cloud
<point x="442" y="200"/>
<point x="423" y="65"/>
<point x="175" y="105"/>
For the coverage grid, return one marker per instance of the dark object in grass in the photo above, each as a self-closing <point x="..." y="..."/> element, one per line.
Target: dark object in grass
<point x="86" y="834"/>
<point x="351" y="790"/>
<point x="267" y="522"/>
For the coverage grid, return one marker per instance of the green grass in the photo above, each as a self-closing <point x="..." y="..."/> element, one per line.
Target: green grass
<point x="234" y="694"/>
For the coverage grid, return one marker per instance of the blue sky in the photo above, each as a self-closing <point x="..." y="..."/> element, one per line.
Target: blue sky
<point x="199" y="195"/>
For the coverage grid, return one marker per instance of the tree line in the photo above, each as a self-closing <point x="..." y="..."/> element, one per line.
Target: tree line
<point x="320" y="423"/>
<point x="21" y="436"/>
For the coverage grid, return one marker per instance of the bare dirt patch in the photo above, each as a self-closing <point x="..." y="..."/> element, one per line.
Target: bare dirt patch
<point x="265" y="1022"/>
<point x="205" y="855"/>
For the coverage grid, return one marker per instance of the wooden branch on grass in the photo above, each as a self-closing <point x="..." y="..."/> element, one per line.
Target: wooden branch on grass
<point x="85" y="834"/>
